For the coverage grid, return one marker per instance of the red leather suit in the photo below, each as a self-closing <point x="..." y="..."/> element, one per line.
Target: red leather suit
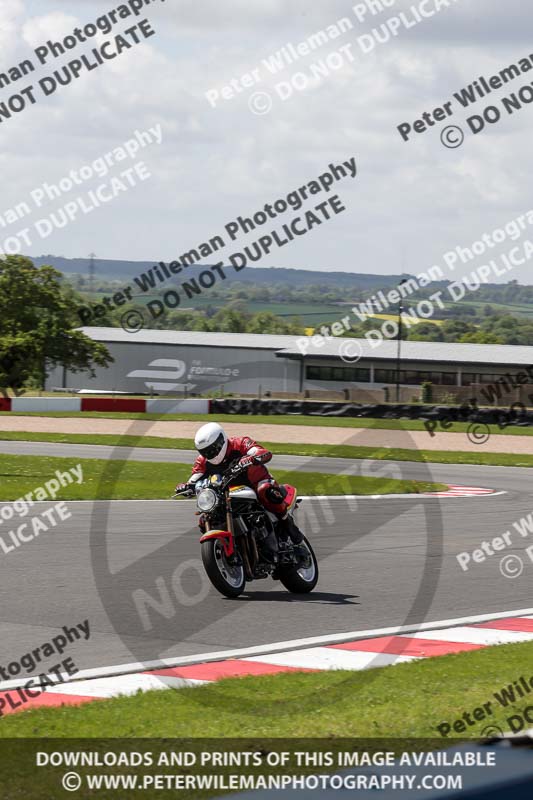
<point x="257" y="476"/>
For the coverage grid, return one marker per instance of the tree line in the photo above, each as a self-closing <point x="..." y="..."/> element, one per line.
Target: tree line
<point x="38" y="327"/>
<point x="39" y="324"/>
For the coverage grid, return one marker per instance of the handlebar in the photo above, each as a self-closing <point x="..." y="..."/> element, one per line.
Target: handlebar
<point x="185" y="492"/>
<point x="232" y="472"/>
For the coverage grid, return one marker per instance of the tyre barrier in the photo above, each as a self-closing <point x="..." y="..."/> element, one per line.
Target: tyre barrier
<point x="517" y="414"/>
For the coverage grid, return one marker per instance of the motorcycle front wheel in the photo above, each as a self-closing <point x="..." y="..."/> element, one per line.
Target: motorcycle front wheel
<point x="301" y="580"/>
<point x="227" y="578"/>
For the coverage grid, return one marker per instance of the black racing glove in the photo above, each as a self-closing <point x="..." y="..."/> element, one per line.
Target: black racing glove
<point x="246" y="461"/>
<point x="184" y="488"/>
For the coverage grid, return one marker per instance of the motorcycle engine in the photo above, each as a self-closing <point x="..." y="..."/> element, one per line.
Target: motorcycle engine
<point x="259" y="526"/>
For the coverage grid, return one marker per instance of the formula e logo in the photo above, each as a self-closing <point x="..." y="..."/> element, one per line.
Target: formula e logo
<point x="173" y="371"/>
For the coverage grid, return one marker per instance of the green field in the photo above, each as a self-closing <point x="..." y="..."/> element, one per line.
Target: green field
<point x="518" y="309"/>
<point x="318" y="313"/>
<point x="310" y="314"/>
<point x="138" y="480"/>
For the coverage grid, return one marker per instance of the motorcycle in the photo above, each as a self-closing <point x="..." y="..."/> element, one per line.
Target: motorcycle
<point x="240" y="540"/>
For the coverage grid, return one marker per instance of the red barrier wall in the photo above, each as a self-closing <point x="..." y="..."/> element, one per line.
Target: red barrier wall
<point x="113" y="404"/>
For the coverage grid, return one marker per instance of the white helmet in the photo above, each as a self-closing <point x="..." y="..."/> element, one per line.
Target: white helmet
<point x="211" y="442"/>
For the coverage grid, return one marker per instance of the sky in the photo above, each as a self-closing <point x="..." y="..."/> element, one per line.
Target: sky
<point x="410" y="202"/>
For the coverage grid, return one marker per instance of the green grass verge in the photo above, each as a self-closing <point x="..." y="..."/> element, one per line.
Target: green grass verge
<point x="127" y="480"/>
<point x="316" y="450"/>
<point x="283" y="419"/>
<point x="256" y="419"/>
<point x="405" y="700"/>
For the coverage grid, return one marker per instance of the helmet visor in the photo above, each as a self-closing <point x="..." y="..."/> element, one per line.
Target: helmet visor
<point x="212" y="450"/>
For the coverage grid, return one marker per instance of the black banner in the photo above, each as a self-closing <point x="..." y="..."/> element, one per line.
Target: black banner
<point x="36" y="769"/>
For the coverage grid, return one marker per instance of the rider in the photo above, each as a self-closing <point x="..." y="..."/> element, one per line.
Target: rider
<point x="217" y="451"/>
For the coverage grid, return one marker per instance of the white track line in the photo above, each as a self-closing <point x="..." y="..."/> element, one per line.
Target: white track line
<point x="484" y="636"/>
<point x="129" y="685"/>
<point x="279" y="647"/>
<point x="413" y="495"/>
<point x="324" y="658"/>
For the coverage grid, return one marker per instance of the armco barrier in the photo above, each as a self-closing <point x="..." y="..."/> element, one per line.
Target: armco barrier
<point x="113" y="404"/>
<point x="44" y="404"/>
<point x="124" y="404"/>
<point x="192" y="406"/>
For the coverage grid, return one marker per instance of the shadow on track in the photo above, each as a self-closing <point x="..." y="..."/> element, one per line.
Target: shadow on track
<point x="329" y="598"/>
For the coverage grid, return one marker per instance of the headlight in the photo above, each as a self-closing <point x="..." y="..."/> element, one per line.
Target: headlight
<point x="206" y="500"/>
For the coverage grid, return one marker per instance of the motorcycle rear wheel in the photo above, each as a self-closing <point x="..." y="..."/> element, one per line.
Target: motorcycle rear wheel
<point x="228" y="579"/>
<point x="301" y="580"/>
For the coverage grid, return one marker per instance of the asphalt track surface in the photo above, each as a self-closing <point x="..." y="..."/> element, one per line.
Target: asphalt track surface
<point x="383" y="562"/>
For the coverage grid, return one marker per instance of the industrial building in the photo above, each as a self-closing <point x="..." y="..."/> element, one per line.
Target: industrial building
<point x="195" y="363"/>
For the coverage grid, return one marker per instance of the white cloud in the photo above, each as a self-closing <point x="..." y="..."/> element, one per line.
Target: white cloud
<point x="410" y="201"/>
<point x="37" y="31"/>
<point x="11" y="12"/>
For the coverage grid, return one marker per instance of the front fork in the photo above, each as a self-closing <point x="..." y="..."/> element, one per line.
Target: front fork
<point x="243" y="547"/>
<point x="229" y="541"/>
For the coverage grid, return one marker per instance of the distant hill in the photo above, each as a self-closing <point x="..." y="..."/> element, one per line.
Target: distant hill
<point x="107" y="269"/>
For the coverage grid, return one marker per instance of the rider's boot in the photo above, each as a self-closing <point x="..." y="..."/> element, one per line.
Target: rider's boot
<point x="271" y="542"/>
<point x="288" y="529"/>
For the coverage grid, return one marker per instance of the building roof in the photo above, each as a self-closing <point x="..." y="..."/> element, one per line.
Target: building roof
<point x="287" y="347"/>
<point x="199" y="338"/>
<point x="447" y="352"/>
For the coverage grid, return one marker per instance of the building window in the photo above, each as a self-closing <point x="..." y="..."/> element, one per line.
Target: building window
<point x="338" y="374"/>
<point x="362" y="375"/>
<point x="411" y="378"/>
<point x="312" y="373"/>
<point x="449" y="379"/>
<point x="384" y="376"/>
<point x="414" y="377"/>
